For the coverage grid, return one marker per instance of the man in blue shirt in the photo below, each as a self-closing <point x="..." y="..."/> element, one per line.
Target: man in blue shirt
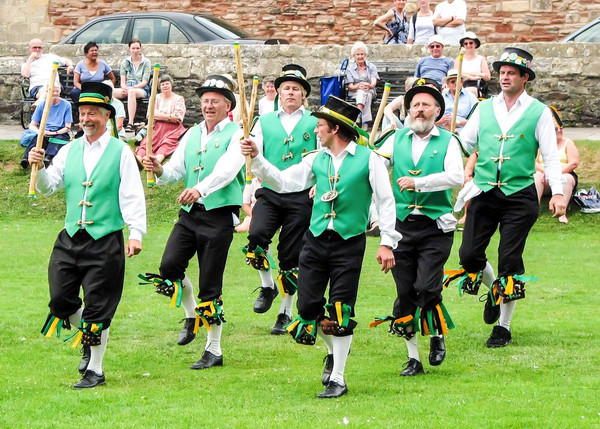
<point x="436" y="65"/>
<point x="466" y="102"/>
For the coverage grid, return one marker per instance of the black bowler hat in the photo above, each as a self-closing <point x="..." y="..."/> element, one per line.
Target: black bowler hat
<point x="340" y="113"/>
<point x="516" y="57"/>
<point x="96" y="94"/>
<point x="424" y="85"/>
<point x="220" y="84"/>
<point x="295" y="73"/>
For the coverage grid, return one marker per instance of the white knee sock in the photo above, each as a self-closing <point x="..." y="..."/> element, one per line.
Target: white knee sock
<point x="213" y="339"/>
<point x="413" y="348"/>
<point x="187" y="298"/>
<point x="506" y="313"/>
<point x="267" y="279"/>
<point x="97" y="354"/>
<point x="75" y="318"/>
<point x="488" y="276"/>
<point x="327" y="339"/>
<point x="341" y="348"/>
<point x="286" y="305"/>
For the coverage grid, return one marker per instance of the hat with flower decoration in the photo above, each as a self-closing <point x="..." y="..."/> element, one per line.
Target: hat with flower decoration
<point x="518" y="58"/>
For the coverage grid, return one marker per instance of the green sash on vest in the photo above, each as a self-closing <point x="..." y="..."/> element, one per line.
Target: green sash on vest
<point x="350" y="210"/>
<point x="200" y="163"/>
<point x="99" y="193"/>
<point x="431" y="204"/>
<point x="516" y="149"/>
<point x="283" y="150"/>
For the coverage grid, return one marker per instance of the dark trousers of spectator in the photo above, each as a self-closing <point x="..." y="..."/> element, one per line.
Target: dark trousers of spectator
<point x="50" y="147"/>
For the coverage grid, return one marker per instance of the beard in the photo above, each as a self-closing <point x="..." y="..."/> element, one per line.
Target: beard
<point x="421" y="125"/>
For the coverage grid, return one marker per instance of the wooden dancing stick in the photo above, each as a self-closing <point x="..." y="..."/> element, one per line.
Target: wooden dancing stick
<point x="461" y="54"/>
<point x="40" y="137"/>
<point x="245" y="120"/>
<point x="150" y="180"/>
<point x="253" y="97"/>
<point x="386" y="92"/>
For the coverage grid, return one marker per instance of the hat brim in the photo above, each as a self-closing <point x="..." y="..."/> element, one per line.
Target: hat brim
<point x="107" y="106"/>
<point x="336" y="121"/>
<point x="292" y="78"/>
<point x="497" y="64"/>
<point x="427" y="90"/>
<point x="223" y="91"/>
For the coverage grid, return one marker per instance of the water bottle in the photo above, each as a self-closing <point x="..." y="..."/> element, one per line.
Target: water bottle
<point x="141" y="134"/>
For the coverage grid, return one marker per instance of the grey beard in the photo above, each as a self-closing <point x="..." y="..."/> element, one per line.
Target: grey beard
<point x="421" y="126"/>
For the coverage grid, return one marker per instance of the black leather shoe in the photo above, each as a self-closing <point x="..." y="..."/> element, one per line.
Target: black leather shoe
<point x="491" y="313"/>
<point x="187" y="335"/>
<point x="86" y="351"/>
<point x="437" y="351"/>
<point x="208" y="360"/>
<point x="265" y="299"/>
<point x="412" y="367"/>
<point x="24" y="164"/>
<point x="327" y="370"/>
<point x="90" y="379"/>
<point x="333" y="390"/>
<point x="500" y="337"/>
<point x="282" y="320"/>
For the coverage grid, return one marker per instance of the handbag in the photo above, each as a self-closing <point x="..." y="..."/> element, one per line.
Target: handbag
<point x="334" y="85"/>
<point x="588" y="201"/>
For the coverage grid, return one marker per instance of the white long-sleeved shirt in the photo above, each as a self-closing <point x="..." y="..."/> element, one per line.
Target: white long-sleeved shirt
<point x="451" y="177"/>
<point x="225" y="170"/>
<point x="544" y="134"/>
<point x="300" y="176"/>
<point x="131" y="191"/>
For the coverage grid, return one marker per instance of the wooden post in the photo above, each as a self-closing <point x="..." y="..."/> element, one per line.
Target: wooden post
<point x="245" y="124"/>
<point x="386" y="92"/>
<point x="150" y="180"/>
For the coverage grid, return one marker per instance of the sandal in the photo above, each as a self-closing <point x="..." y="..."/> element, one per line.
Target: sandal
<point x="129" y="128"/>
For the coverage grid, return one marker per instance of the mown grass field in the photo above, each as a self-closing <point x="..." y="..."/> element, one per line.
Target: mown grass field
<point x="548" y="376"/>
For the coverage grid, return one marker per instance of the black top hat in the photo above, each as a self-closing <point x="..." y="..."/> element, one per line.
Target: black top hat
<point x="219" y="84"/>
<point x="295" y="73"/>
<point x="425" y="85"/>
<point x="518" y="58"/>
<point x="341" y="113"/>
<point x="96" y="94"/>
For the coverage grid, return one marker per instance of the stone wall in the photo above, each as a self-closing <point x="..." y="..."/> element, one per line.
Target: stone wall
<point x="567" y="74"/>
<point x="304" y="22"/>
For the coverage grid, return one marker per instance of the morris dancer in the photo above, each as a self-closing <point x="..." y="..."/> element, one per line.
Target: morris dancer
<point x="103" y="192"/>
<point x="282" y="137"/>
<point x="508" y="130"/>
<point x="208" y="158"/>
<point x="346" y="176"/>
<point x="426" y="163"/>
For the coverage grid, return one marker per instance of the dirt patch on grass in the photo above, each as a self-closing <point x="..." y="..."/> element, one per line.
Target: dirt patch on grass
<point x="589" y="162"/>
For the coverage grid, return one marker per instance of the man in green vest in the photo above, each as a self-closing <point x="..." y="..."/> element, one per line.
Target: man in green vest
<point x="208" y="159"/>
<point x="103" y="192"/>
<point x="282" y="137"/>
<point x="508" y="130"/>
<point x="346" y="176"/>
<point x="426" y="164"/>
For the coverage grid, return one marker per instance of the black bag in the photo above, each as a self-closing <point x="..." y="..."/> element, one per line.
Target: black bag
<point x="334" y="85"/>
<point x="588" y="201"/>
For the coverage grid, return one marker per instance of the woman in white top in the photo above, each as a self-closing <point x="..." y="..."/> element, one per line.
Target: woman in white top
<point x="420" y="26"/>
<point x="267" y="103"/>
<point x="475" y="69"/>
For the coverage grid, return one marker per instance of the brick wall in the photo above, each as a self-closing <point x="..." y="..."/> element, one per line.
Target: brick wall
<point x="311" y="22"/>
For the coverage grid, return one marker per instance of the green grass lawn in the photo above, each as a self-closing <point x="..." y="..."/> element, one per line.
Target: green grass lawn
<point x="548" y="376"/>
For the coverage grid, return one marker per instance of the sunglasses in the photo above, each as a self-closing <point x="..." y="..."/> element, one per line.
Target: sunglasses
<point x="468" y="43"/>
<point x="435" y="46"/>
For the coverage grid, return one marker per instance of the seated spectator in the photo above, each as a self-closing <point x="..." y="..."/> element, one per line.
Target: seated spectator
<point x="90" y="70"/>
<point x="569" y="161"/>
<point x="248" y="201"/>
<point x="37" y="69"/>
<point x="466" y="102"/>
<point x="56" y="133"/>
<point x="449" y="17"/>
<point x="391" y="120"/>
<point x="475" y="69"/>
<point x="394" y="23"/>
<point x="421" y="26"/>
<point x="436" y="65"/>
<point x="169" y="111"/>
<point x="267" y="103"/>
<point x="361" y="80"/>
<point x="135" y="75"/>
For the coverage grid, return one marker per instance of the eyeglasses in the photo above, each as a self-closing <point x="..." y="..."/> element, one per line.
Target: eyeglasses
<point x="435" y="46"/>
<point x="215" y="103"/>
<point x="470" y="42"/>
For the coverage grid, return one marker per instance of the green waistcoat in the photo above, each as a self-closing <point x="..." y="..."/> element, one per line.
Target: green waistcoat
<point x="431" y="204"/>
<point x="200" y="163"/>
<point x="351" y="207"/>
<point x="99" y="192"/>
<point x="518" y="154"/>
<point x="283" y="150"/>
